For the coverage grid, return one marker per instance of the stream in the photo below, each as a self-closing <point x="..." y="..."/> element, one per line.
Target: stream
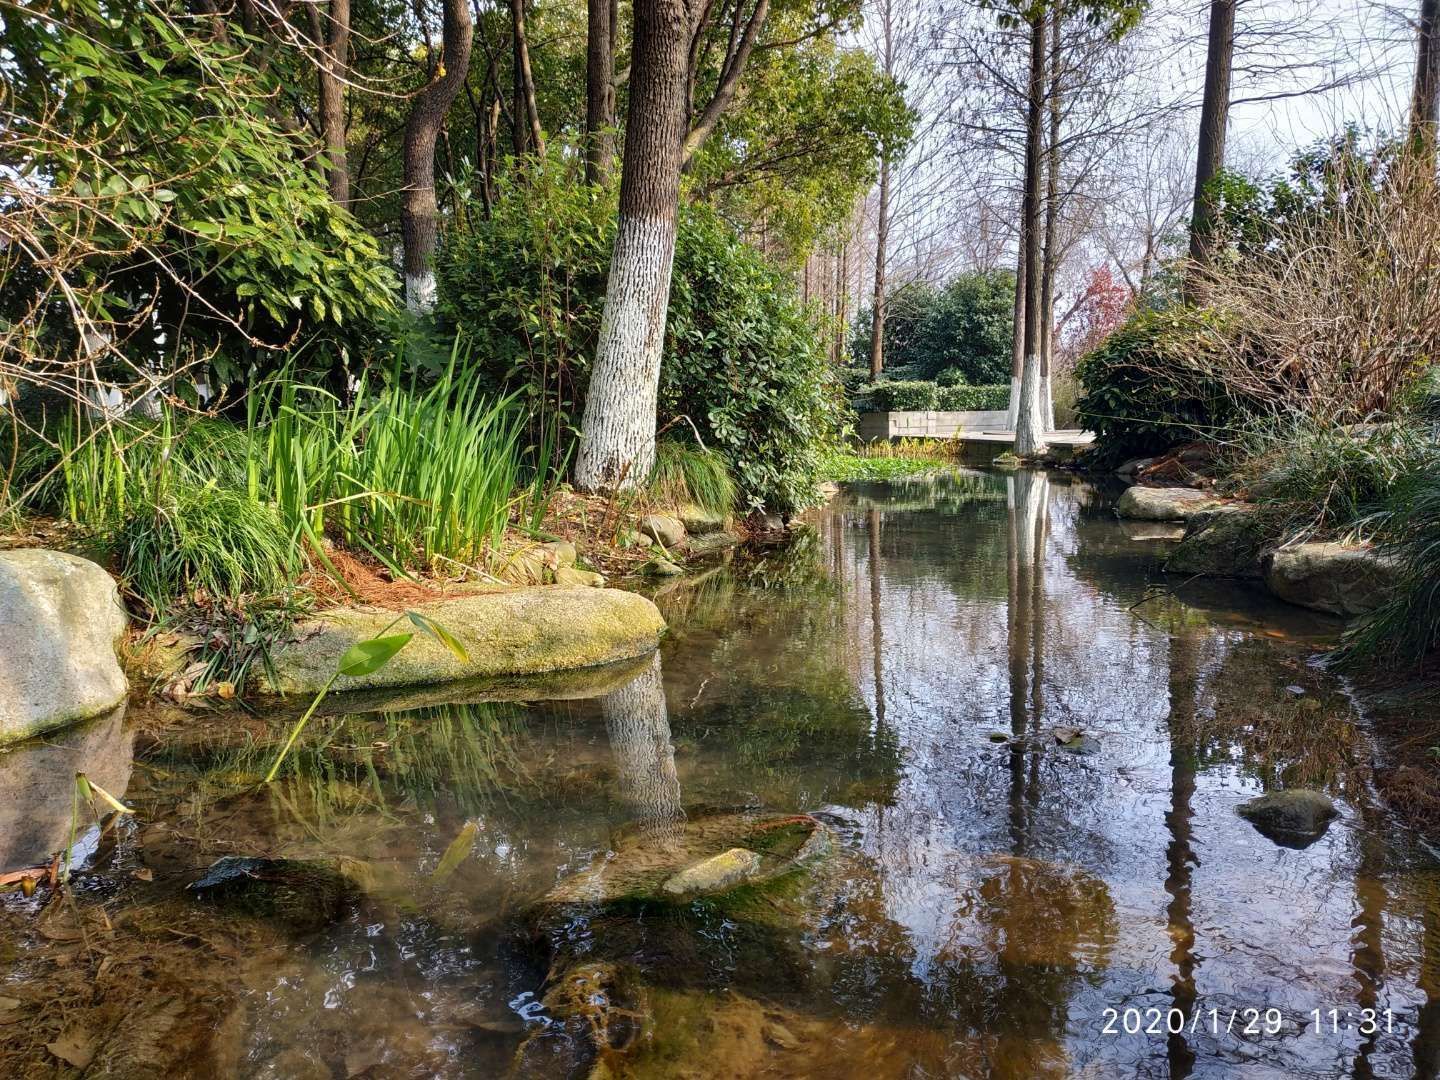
<point x="998" y="898"/>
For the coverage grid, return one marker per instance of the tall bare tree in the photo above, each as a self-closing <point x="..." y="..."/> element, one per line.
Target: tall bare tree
<point x="1030" y="419"/>
<point x="1214" y="118"/>
<point x="600" y="90"/>
<point x="663" y="129"/>
<point x="526" y="128"/>
<point x="330" y="31"/>
<point x="419" y="213"/>
<point x="882" y="211"/>
<point x="1425" y="102"/>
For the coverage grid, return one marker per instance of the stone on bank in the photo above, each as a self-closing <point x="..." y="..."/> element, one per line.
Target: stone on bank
<point x="1337" y="578"/>
<point x="517" y="632"/>
<point x="62" y="617"/>
<point x="1141" y="503"/>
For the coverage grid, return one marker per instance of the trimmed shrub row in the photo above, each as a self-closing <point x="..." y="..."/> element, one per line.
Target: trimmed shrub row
<point x="917" y="396"/>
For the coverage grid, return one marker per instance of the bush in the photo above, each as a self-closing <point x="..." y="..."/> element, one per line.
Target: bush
<point x="743" y="360"/>
<point x="1148" y="387"/>
<point x="974" y="398"/>
<point x="908" y="396"/>
<point x="207" y="542"/>
<point x="962" y="330"/>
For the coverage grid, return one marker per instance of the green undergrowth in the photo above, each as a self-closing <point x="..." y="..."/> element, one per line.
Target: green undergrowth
<point x="843" y="466"/>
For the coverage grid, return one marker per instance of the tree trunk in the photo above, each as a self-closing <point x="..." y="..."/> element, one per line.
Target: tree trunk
<point x="877" y="305"/>
<point x="1052" y="219"/>
<point x="418" y="212"/>
<point x="617" y="433"/>
<point x="527" y="132"/>
<point x="1210" y="154"/>
<point x="1425" y="105"/>
<point x="599" y="92"/>
<point x="333" y="44"/>
<point x="1017" y="341"/>
<point x="1030" y="421"/>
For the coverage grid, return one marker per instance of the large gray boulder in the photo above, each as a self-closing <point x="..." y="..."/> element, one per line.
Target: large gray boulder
<point x="62" y="617"/>
<point x="1141" y="503"/>
<point x="1223" y="542"/>
<point x="1336" y="578"/>
<point x="516" y="632"/>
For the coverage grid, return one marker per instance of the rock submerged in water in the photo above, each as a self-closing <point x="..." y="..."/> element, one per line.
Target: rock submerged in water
<point x="715" y="874"/>
<point x="1337" y="578"/>
<point x="1295" y="817"/>
<point x="1224" y="541"/>
<point x="62" y="616"/>
<point x="1142" y="503"/>
<point x="303" y="896"/>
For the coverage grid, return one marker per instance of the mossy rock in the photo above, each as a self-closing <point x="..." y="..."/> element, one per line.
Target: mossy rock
<point x="303" y="896"/>
<point x="1225" y="541"/>
<point x="517" y="632"/>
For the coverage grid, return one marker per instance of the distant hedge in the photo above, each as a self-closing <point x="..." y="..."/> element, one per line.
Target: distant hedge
<point x="917" y="396"/>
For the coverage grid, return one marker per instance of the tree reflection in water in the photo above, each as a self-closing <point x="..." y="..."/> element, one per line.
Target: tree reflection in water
<point x="638" y="725"/>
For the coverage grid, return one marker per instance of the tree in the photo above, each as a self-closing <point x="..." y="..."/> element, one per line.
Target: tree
<point x="527" y="132"/>
<point x="1214" y="116"/>
<point x="600" y="89"/>
<point x="617" y="441"/>
<point x="332" y="46"/>
<point x="882" y="217"/>
<point x="672" y="48"/>
<point x="419" y="210"/>
<point x="1425" y="104"/>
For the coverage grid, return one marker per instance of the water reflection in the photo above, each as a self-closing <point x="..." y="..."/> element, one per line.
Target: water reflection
<point x="900" y="671"/>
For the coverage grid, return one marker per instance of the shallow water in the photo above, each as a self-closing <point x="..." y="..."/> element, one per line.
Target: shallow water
<point x="995" y="905"/>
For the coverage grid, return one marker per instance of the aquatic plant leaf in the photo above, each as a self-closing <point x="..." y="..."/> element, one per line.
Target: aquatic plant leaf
<point x="455" y="854"/>
<point x="366" y="657"/>
<point x="440" y="634"/>
<point x="91" y="791"/>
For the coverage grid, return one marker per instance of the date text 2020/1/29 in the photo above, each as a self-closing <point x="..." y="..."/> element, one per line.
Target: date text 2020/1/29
<point x="1243" y="1022"/>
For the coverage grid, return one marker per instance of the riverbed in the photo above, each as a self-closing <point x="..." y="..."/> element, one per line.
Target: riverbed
<point x="1026" y="744"/>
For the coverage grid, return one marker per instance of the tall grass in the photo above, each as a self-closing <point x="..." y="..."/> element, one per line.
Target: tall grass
<point x="685" y="474"/>
<point x="1405" y="630"/>
<point x="415" y="477"/>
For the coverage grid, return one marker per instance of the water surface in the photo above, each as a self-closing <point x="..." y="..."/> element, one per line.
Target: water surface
<point x="897" y="670"/>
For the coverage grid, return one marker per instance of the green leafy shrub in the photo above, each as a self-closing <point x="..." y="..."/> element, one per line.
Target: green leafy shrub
<point x="206" y="540"/>
<point x="974" y="398"/>
<point x="908" y="396"/>
<point x="744" y="361"/>
<point x="963" y="330"/>
<point x="1148" y="387"/>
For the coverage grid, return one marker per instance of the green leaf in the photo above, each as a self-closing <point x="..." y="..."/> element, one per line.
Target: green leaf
<point x="367" y="657"/>
<point x="440" y="634"/>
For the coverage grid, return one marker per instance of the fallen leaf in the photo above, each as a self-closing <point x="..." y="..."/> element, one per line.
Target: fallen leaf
<point x="1066" y="734"/>
<point x="361" y="1061"/>
<point x="143" y="874"/>
<point x="75" y="1046"/>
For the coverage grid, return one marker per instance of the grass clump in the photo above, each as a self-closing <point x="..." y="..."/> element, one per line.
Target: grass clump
<point x="880" y="463"/>
<point x="692" y="475"/>
<point x="207" y="542"/>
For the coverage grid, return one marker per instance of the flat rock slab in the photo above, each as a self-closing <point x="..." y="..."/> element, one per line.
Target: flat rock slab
<point x="62" y="616"/>
<point x="1331" y="577"/>
<point x="1141" y="503"/>
<point x="715" y="874"/>
<point x="520" y="632"/>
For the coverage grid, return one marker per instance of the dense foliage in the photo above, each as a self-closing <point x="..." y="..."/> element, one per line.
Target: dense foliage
<point x="185" y="225"/>
<point x="744" y="366"/>
<point x="1148" y="386"/>
<point x="961" y="332"/>
<point x="918" y="395"/>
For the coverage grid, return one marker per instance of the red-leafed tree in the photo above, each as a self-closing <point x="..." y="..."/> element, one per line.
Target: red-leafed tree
<point x="1101" y="306"/>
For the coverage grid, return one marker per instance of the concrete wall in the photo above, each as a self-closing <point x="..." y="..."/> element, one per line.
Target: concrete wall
<point x="926" y="425"/>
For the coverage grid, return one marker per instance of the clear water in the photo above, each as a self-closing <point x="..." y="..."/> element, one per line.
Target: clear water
<point x="897" y="670"/>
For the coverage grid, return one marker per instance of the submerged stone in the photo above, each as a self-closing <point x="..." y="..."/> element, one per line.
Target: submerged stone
<point x="1295" y="817"/>
<point x="1337" y="578"/>
<point x="305" y="896"/>
<point x="715" y="874"/>
<point x="661" y="568"/>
